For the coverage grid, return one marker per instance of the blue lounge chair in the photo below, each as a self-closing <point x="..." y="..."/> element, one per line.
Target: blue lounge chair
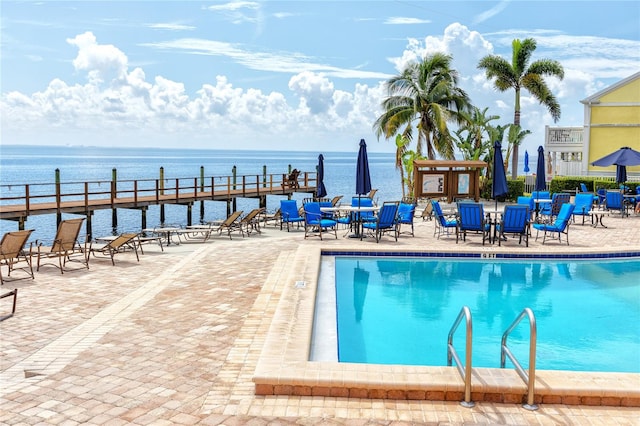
<point x="527" y="201"/>
<point x="406" y="211"/>
<point x="560" y="226"/>
<point x="442" y="223"/>
<point x="471" y="218"/>
<point x="615" y="201"/>
<point x="515" y="220"/>
<point x="557" y="200"/>
<point x="314" y="223"/>
<point x="366" y="216"/>
<point x="602" y="197"/>
<point x="583" y="187"/>
<point x="385" y="222"/>
<point x="584" y="204"/>
<point x="540" y="195"/>
<point x="290" y="213"/>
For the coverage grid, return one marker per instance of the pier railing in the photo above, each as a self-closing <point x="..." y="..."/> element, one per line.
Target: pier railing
<point x="20" y="200"/>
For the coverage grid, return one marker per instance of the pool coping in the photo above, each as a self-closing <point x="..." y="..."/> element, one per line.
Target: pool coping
<point x="283" y="367"/>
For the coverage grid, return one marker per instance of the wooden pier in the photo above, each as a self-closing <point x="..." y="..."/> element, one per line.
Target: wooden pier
<point x="18" y="202"/>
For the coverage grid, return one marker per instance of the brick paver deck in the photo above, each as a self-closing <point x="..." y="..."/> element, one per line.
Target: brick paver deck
<point x="175" y="339"/>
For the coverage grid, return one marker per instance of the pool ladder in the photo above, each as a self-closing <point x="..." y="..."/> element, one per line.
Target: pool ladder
<point x="528" y="378"/>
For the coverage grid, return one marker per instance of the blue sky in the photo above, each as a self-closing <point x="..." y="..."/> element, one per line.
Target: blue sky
<point x="281" y="75"/>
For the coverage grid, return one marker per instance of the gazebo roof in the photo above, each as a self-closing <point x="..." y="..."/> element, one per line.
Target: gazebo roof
<point x="449" y="163"/>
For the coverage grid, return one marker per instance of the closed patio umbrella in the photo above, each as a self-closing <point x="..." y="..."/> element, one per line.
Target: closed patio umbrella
<point x="363" y="179"/>
<point x="321" y="191"/>
<point x="499" y="187"/>
<point x="526" y="162"/>
<point x="541" y="181"/>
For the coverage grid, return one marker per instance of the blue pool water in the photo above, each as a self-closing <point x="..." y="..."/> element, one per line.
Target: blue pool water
<point x="399" y="311"/>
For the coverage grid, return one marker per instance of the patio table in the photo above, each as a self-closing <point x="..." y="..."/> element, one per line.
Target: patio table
<point x="354" y="211"/>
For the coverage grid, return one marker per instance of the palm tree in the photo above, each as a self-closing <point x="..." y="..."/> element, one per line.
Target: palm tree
<point x="427" y="93"/>
<point x="476" y="124"/>
<point x="515" y="137"/>
<point x="520" y="74"/>
<point x="401" y="149"/>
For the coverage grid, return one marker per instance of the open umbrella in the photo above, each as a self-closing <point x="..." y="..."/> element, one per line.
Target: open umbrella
<point x="541" y="181"/>
<point x="625" y="156"/>
<point x="622" y="158"/>
<point x="499" y="186"/>
<point x="526" y="162"/>
<point x="321" y="191"/>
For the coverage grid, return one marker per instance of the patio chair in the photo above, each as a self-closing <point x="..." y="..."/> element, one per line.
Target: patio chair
<point x="275" y="217"/>
<point x="442" y="223"/>
<point x="386" y="221"/>
<point x="230" y="224"/>
<point x="557" y="200"/>
<point x="427" y="212"/>
<point x="315" y="223"/>
<point x="560" y="226"/>
<point x="365" y="216"/>
<point x="250" y="222"/>
<point x="406" y="212"/>
<point x="527" y="201"/>
<point x="583" y="187"/>
<point x="65" y="247"/>
<point x="291" y="180"/>
<point x="471" y="218"/>
<point x="13" y="254"/>
<point x="515" y="220"/>
<point x="615" y="201"/>
<point x="118" y="245"/>
<point x="290" y="213"/>
<point x="584" y="204"/>
<point x="335" y="200"/>
<point x="601" y="193"/>
<point x="541" y="195"/>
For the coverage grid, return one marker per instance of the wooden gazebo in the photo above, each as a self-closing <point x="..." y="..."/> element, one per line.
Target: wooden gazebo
<point x="447" y="178"/>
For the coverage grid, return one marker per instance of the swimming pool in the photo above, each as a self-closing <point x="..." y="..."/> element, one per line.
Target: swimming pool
<point x="297" y="356"/>
<point x="400" y="310"/>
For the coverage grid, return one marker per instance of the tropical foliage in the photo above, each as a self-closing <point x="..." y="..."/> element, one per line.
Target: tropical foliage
<point x="519" y="74"/>
<point x="425" y="94"/>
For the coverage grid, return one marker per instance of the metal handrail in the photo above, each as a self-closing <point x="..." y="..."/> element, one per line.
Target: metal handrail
<point x="452" y="354"/>
<point x="530" y="378"/>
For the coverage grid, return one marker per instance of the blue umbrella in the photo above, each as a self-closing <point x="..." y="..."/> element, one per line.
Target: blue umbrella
<point x="622" y="158"/>
<point x="321" y="191"/>
<point x="621" y="174"/>
<point x="625" y="156"/>
<point x="363" y="179"/>
<point x="499" y="186"/>
<point x="541" y="181"/>
<point x="526" y="162"/>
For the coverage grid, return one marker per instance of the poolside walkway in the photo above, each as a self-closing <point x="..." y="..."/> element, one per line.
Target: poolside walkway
<point x="175" y="338"/>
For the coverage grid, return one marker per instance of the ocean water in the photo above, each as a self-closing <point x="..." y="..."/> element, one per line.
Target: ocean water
<point x="20" y="165"/>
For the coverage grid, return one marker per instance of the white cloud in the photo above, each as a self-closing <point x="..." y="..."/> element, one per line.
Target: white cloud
<point x="101" y="61"/>
<point x="280" y="62"/>
<point x="171" y="26"/>
<point x="486" y="15"/>
<point x="120" y="105"/>
<point x="399" y="20"/>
